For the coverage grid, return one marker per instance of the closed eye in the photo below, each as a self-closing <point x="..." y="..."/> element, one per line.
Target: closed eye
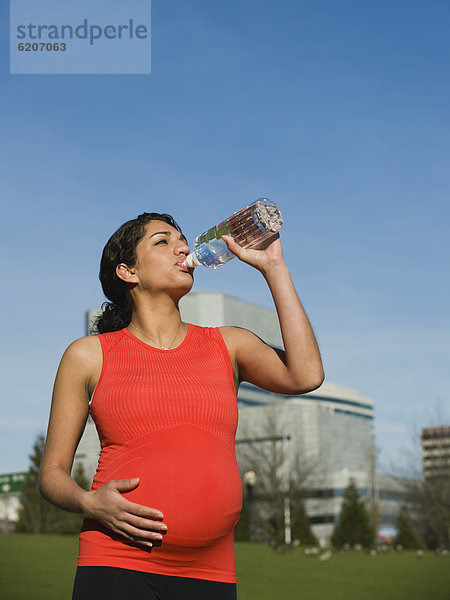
<point x="161" y="241"/>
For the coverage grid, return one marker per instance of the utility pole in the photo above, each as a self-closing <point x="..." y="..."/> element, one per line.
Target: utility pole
<point x="286" y="481"/>
<point x="285" y="477"/>
<point x="373" y="492"/>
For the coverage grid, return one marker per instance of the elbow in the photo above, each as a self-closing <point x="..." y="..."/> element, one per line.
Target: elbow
<point x="317" y="381"/>
<point x="44" y="484"/>
<point x="316" y="377"/>
<point x="309" y="383"/>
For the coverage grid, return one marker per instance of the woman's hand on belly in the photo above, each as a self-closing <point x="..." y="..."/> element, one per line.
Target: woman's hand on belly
<point x="135" y="522"/>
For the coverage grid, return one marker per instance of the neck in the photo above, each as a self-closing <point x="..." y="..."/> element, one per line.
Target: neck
<point x="156" y="316"/>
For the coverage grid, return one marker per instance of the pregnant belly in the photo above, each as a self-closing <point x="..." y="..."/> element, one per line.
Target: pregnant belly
<point x="188" y="474"/>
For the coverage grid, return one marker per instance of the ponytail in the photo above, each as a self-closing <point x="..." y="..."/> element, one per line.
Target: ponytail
<point x="113" y="318"/>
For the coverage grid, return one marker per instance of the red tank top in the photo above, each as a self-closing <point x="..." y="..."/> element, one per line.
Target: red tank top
<point x="169" y="417"/>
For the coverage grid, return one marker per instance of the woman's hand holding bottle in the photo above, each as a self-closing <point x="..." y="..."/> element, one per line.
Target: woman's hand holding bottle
<point x="263" y="260"/>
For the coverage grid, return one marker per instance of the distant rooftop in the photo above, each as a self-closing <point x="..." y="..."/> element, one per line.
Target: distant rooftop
<point x="435" y="432"/>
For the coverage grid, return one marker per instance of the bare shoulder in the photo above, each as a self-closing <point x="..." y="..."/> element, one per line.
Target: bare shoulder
<point x="84" y="349"/>
<point x="236" y="337"/>
<point x="237" y="333"/>
<point x="82" y="361"/>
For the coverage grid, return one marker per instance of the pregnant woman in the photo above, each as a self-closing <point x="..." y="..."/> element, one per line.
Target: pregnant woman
<point x="166" y="496"/>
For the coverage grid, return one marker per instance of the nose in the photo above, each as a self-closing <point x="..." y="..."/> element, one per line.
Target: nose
<point x="181" y="247"/>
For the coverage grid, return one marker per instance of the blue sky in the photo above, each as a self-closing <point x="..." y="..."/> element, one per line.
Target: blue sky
<point x="337" y="111"/>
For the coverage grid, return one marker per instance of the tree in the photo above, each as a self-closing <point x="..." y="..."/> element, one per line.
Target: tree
<point x="354" y="526"/>
<point x="300" y="523"/>
<point x="36" y="515"/>
<point x="283" y="476"/>
<point x="407" y="536"/>
<point x="430" y="500"/>
<point x="428" y="497"/>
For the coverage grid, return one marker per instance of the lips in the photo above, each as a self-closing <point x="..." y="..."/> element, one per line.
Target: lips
<point x="182" y="265"/>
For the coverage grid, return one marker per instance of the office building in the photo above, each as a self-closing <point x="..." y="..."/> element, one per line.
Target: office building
<point x="436" y="452"/>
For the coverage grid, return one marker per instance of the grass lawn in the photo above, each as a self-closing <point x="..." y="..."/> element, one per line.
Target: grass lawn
<point x="43" y="567"/>
<point x="37" y="567"/>
<point x="264" y="575"/>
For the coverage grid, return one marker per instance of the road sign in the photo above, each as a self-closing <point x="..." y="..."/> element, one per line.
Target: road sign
<point x="11" y="482"/>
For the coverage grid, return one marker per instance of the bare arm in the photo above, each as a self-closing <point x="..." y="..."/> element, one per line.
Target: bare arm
<point x="296" y="370"/>
<point x="75" y="380"/>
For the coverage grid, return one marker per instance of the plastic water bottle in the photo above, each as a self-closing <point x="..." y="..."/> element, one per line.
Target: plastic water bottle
<point x="254" y="226"/>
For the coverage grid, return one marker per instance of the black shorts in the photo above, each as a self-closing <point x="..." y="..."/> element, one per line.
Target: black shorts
<point x="111" y="583"/>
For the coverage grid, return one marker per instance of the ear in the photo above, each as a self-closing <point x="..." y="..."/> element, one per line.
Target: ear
<point x="126" y="274"/>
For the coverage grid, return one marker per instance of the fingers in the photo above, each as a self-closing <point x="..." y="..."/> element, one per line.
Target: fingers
<point x="145" y="525"/>
<point x="141" y="536"/>
<point x="229" y="241"/>
<point x="137" y="540"/>
<point x="121" y="485"/>
<point x="144" y="511"/>
<point x="145" y="534"/>
<point x="235" y="248"/>
<point x="267" y="256"/>
<point x="125" y="485"/>
<point x="143" y="531"/>
<point x="141" y="521"/>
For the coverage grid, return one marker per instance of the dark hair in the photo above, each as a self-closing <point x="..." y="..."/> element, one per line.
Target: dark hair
<point x="121" y="248"/>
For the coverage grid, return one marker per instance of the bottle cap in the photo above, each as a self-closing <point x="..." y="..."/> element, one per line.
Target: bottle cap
<point x="191" y="261"/>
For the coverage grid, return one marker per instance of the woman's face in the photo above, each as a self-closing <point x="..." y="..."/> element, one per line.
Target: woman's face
<point x="160" y="256"/>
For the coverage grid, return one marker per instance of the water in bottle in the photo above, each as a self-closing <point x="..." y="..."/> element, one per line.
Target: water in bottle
<point x="254" y="226"/>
